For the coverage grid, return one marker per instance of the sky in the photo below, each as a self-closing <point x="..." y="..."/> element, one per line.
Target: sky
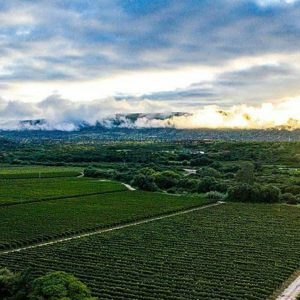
<point x="228" y="63"/>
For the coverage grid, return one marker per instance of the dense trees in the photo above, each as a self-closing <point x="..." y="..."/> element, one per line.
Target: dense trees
<point x="54" y="286"/>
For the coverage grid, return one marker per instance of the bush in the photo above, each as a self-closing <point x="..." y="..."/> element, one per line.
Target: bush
<point x="270" y="194"/>
<point x="288" y="198"/>
<point x="214" y="195"/>
<point x="244" y="193"/>
<point x="59" y="285"/>
<point x="144" y="182"/>
<point x="188" y="184"/>
<point x="207" y="184"/>
<point x="208" y="171"/>
<point x="167" y="179"/>
<point x="98" y="173"/>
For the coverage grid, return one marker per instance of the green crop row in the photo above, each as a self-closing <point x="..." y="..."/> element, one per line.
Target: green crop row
<point x="22" y="190"/>
<point x="233" y="251"/>
<point x="31" y="223"/>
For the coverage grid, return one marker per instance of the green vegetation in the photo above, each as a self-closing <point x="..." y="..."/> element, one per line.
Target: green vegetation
<point x="22" y="190"/>
<point x="233" y="251"/>
<point x="24" y="224"/>
<point x="14" y="172"/>
<point x="54" y="286"/>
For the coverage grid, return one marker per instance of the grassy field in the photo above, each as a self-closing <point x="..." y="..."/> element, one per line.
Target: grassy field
<point x="20" y="190"/>
<point x="15" y="172"/>
<point x="35" y="222"/>
<point x="233" y="251"/>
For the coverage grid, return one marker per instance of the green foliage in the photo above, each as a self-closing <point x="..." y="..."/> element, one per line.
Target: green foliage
<point x="217" y="196"/>
<point x="30" y="190"/>
<point x="188" y="184"/>
<point x="166" y="179"/>
<point x="52" y="286"/>
<point x="269" y="194"/>
<point x="244" y="192"/>
<point x="289" y="198"/>
<point x="98" y="173"/>
<point x="29" y="223"/>
<point x="193" y="256"/>
<point x="207" y="184"/>
<point x="57" y="286"/>
<point x="246" y="173"/>
<point x="201" y="161"/>
<point x="208" y="172"/>
<point x="144" y="182"/>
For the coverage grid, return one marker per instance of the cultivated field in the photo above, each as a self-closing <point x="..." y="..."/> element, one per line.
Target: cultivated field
<point x="32" y="189"/>
<point x="233" y="251"/>
<point x="38" y="172"/>
<point x="27" y="223"/>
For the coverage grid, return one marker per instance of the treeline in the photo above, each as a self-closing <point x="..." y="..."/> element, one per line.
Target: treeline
<point x="234" y="183"/>
<point x="163" y="153"/>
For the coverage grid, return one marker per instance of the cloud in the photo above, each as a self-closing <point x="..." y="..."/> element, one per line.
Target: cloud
<point x="55" y="113"/>
<point x="178" y="54"/>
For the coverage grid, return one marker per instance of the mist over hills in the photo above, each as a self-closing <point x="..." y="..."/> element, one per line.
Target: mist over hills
<point x="130" y="127"/>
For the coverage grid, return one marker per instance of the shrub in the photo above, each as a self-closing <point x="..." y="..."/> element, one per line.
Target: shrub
<point x="214" y="195"/>
<point x="206" y="184"/>
<point x="270" y="194"/>
<point x="188" y="184"/>
<point x="208" y="171"/>
<point x="144" y="182"/>
<point x="288" y="198"/>
<point x="59" y="285"/>
<point x="166" y="179"/>
<point x="244" y="192"/>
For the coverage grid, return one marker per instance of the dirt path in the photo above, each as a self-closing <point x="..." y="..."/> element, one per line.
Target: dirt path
<point x="129" y="187"/>
<point x="292" y="291"/>
<point x="167" y="215"/>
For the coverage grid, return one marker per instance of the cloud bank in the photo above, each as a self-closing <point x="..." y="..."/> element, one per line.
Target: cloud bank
<point x="182" y="53"/>
<point x="55" y="113"/>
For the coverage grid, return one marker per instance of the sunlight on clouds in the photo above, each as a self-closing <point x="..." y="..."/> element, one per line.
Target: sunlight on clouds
<point x="267" y="115"/>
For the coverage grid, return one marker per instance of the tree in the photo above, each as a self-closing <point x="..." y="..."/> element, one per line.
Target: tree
<point x="289" y="198"/>
<point x="208" y="171"/>
<point x="144" y="182"/>
<point x="206" y="184"/>
<point x="54" y="286"/>
<point x="7" y="283"/>
<point x="57" y="286"/>
<point x="246" y="173"/>
<point x="166" y="179"/>
<point x="270" y="194"/>
<point x="244" y="192"/>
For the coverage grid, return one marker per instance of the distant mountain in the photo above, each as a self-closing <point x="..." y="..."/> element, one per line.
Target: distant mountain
<point x="134" y="120"/>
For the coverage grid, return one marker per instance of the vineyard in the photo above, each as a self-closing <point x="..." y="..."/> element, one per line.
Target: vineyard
<point x="31" y="189"/>
<point x="29" y="223"/>
<point x="233" y="251"/>
<point x="38" y="172"/>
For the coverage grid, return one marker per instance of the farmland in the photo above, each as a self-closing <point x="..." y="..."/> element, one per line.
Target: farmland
<point x="14" y="172"/>
<point x="32" y="189"/>
<point x="28" y="223"/>
<point x="233" y="251"/>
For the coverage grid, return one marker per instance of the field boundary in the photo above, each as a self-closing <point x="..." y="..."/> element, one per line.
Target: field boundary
<point x="115" y="227"/>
